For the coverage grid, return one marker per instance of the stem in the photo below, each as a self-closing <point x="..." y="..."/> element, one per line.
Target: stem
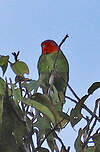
<point x="16" y="55"/>
<point x="73" y="92"/>
<point x="61" y="142"/>
<point x="58" y="52"/>
<point x="56" y="57"/>
<point x="85" y="143"/>
<point x="63" y="40"/>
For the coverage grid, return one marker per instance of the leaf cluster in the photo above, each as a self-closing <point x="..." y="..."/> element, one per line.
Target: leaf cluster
<point x="26" y="113"/>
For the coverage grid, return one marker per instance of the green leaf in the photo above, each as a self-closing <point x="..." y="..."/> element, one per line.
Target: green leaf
<point x="90" y="149"/>
<point x="40" y="102"/>
<point x="64" y="119"/>
<point x="3" y="60"/>
<point x="45" y="101"/>
<point x="75" y="115"/>
<point x="51" y="142"/>
<point x="42" y="124"/>
<point x="4" y="63"/>
<point x="78" y="143"/>
<point x="31" y="85"/>
<point x="96" y="139"/>
<point x="4" y="68"/>
<point x="20" y="68"/>
<point x="17" y="94"/>
<point x="41" y="149"/>
<point x="93" y="87"/>
<point x="2" y="86"/>
<point x="8" y="119"/>
<point x="14" y="127"/>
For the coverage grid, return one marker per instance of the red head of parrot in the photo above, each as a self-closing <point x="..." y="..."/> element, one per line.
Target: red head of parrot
<point x="49" y="46"/>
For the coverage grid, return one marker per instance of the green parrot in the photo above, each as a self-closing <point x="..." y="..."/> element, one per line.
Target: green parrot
<point x="60" y="74"/>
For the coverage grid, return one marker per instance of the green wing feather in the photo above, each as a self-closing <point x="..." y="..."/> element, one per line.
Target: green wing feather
<point x="45" y="66"/>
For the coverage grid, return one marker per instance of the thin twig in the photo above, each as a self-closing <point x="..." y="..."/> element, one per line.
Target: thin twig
<point x="51" y="131"/>
<point x="73" y="92"/>
<point x="61" y="142"/>
<point x="16" y="55"/>
<point x="96" y="105"/>
<point x="58" y="52"/>
<point x="90" y="132"/>
<point x="68" y="149"/>
<point x="63" y="40"/>
<point x="73" y="100"/>
<point x="55" y="60"/>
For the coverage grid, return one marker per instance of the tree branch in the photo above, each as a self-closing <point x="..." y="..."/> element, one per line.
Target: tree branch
<point x="58" y="52"/>
<point x="84" y="106"/>
<point x="73" y="92"/>
<point x="63" y="40"/>
<point x="55" y="60"/>
<point x="63" y="146"/>
<point x="16" y="55"/>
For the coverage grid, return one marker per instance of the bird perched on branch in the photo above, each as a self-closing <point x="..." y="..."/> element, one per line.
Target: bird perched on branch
<point x="53" y="68"/>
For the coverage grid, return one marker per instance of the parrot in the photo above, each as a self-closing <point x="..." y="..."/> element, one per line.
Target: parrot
<point x="46" y="70"/>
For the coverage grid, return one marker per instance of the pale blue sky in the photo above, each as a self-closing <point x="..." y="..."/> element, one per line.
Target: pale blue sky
<point x="24" y="24"/>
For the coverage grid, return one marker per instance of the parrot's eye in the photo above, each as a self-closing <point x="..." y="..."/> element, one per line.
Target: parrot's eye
<point x="52" y="43"/>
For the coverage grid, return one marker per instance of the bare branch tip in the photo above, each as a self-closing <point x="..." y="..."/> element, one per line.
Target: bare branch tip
<point x="16" y="55"/>
<point x="63" y="40"/>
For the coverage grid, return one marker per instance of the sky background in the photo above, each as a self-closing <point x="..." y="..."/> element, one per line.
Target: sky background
<point x="24" y="24"/>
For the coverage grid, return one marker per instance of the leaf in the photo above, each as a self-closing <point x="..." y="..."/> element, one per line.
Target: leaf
<point x="40" y="103"/>
<point x="90" y="149"/>
<point x="20" y="68"/>
<point x="75" y="115"/>
<point x="4" y="63"/>
<point x="2" y="86"/>
<point x="96" y="139"/>
<point x="64" y="119"/>
<point x="60" y="118"/>
<point x="10" y="123"/>
<point x="3" y="60"/>
<point x="41" y="149"/>
<point x="78" y="143"/>
<point x="1" y="111"/>
<point x="20" y="122"/>
<point x="31" y="85"/>
<point x="17" y="94"/>
<point x="93" y="87"/>
<point x="51" y="142"/>
<point x="42" y="124"/>
<point x="64" y="150"/>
